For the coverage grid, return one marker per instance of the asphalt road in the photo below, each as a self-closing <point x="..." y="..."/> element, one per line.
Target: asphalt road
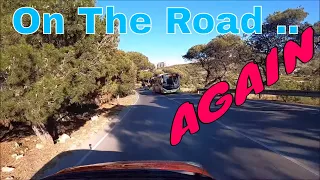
<point x="260" y="139"/>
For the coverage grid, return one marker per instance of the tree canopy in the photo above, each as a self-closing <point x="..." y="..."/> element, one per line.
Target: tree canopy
<point x="259" y="45"/>
<point x="224" y="52"/>
<point x="43" y="74"/>
<point x="141" y="61"/>
<point x="216" y="56"/>
<point x="145" y="75"/>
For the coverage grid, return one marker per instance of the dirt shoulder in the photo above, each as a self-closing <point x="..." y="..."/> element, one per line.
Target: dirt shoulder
<point x="25" y="156"/>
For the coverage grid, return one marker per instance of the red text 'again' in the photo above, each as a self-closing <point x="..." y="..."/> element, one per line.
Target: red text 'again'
<point x="250" y="72"/>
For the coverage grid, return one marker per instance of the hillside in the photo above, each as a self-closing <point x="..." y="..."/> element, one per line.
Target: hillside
<point x="192" y="75"/>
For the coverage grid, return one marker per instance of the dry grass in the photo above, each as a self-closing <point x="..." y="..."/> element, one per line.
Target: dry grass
<point x="34" y="159"/>
<point x="188" y="90"/>
<point x="263" y="97"/>
<point x="293" y="100"/>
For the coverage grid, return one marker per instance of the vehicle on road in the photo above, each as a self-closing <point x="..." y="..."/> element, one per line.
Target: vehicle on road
<point x="135" y="170"/>
<point x="146" y="84"/>
<point x="166" y="83"/>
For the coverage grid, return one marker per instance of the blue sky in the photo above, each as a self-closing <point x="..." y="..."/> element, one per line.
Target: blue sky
<point x="159" y="46"/>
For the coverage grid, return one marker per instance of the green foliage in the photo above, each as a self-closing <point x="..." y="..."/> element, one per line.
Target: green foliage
<point x="287" y="17"/>
<point x="259" y="45"/>
<point x="41" y="75"/>
<point x="158" y="71"/>
<point x="141" y="61"/>
<point x="145" y="75"/>
<point x="196" y="53"/>
<point x="310" y="69"/>
<point x="225" y="54"/>
<point x="292" y="84"/>
<point x="216" y="57"/>
<point x="125" y="75"/>
<point x="313" y="85"/>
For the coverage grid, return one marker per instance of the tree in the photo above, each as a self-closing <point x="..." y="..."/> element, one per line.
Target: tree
<point x="42" y="75"/>
<point x="259" y="45"/>
<point x="145" y="75"/>
<point x="158" y="71"/>
<point x="216" y="56"/>
<point x="316" y="27"/>
<point x="121" y="75"/>
<point x="311" y="69"/>
<point x="141" y="61"/>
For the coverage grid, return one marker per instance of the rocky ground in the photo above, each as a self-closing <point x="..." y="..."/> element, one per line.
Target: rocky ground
<point x="22" y="158"/>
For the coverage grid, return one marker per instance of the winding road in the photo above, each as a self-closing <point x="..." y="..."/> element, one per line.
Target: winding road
<point x="259" y="139"/>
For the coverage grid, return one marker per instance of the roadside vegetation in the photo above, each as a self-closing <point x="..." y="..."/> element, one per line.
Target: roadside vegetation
<point x="223" y="57"/>
<point x="57" y="86"/>
<point x="46" y="78"/>
<point x="52" y="84"/>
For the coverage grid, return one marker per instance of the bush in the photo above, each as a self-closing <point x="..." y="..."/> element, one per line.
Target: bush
<point x="307" y="85"/>
<point x="144" y="75"/>
<point x="285" y="84"/>
<point x="41" y="75"/>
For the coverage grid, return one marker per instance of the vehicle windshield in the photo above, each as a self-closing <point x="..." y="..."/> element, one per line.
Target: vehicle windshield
<point x="183" y="89"/>
<point x="170" y="79"/>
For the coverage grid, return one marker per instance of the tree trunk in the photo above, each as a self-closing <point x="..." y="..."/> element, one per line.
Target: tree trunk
<point x="208" y="76"/>
<point x="97" y="100"/>
<point x="210" y="83"/>
<point x="264" y="76"/>
<point x="52" y="128"/>
<point x="118" y="100"/>
<point x="42" y="134"/>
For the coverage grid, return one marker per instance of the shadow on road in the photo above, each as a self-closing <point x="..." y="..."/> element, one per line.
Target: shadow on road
<point x="144" y="135"/>
<point x="292" y="130"/>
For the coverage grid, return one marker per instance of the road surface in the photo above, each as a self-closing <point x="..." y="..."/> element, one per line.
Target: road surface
<point x="257" y="140"/>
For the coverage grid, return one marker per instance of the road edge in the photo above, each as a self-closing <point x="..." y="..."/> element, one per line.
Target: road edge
<point x="118" y="119"/>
